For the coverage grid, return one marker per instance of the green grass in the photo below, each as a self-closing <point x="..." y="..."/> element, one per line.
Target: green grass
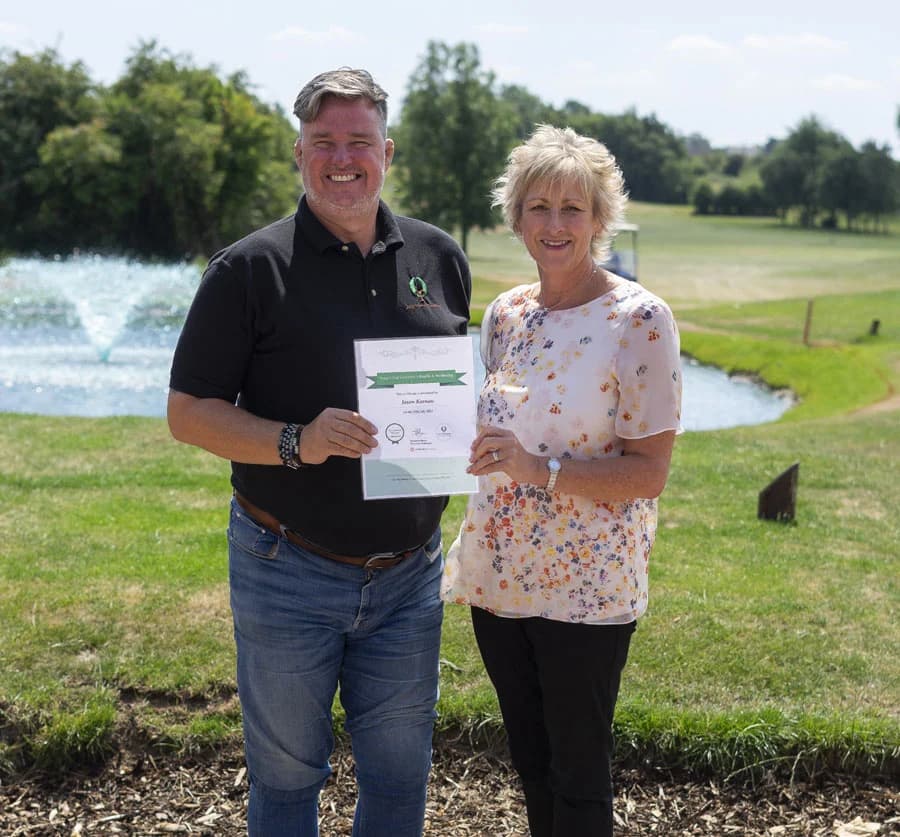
<point x="766" y="645"/>
<point x="752" y="619"/>
<point x="748" y="619"/>
<point x="694" y="261"/>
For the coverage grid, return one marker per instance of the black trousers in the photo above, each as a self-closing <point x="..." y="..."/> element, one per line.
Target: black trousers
<point x="557" y="683"/>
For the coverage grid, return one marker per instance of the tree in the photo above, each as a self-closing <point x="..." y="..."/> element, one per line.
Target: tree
<point x="730" y="200"/>
<point x="208" y="161"/>
<point x="784" y="175"/>
<point x="260" y="179"/>
<point x="653" y="159"/>
<point x="573" y="107"/>
<point x="170" y="161"/>
<point x="798" y="160"/>
<point x="697" y="145"/>
<point x="453" y="137"/>
<point x="704" y="199"/>
<point x="733" y="164"/>
<point x="755" y="200"/>
<point x="530" y="111"/>
<point x="169" y="154"/>
<point x="840" y="184"/>
<point x="880" y="181"/>
<point x="83" y="192"/>
<point x="37" y="95"/>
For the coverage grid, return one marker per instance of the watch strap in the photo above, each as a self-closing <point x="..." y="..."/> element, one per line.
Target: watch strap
<point x="554" y="474"/>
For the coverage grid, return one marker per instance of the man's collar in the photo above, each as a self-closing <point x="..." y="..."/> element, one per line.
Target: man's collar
<point x="388" y="231"/>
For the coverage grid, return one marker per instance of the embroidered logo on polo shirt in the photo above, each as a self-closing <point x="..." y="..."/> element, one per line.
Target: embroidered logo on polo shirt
<point x="418" y="287"/>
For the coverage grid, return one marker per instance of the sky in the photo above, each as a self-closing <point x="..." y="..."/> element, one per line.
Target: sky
<point x="736" y="73"/>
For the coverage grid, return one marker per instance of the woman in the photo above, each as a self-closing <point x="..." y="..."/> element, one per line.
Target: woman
<point x="577" y="418"/>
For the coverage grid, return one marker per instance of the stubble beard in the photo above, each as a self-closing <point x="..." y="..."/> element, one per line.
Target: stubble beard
<point x="362" y="207"/>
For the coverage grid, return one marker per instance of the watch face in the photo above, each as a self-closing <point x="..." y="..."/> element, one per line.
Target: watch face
<point x="554" y="465"/>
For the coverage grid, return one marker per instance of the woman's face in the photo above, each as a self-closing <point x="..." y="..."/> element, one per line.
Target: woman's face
<point x="557" y="226"/>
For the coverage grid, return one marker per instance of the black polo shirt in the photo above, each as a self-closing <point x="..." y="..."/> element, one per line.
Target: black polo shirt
<point x="271" y="328"/>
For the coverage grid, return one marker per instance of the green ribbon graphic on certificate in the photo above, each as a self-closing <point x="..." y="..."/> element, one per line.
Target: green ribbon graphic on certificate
<point x="442" y="377"/>
<point x="420" y="393"/>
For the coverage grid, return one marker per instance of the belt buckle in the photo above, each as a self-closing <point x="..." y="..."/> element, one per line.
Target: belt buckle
<point x="378" y="556"/>
<point x="375" y="557"/>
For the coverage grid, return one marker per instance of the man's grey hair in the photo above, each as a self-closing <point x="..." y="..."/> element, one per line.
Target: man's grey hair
<point x="344" y="83"/>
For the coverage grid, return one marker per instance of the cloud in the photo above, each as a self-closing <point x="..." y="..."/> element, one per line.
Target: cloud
<point x="699" y="46"/>
<point x="807" y="41"/>
<point x="838" y="83"/>
<point x="332" y="35"/>
<point x="501" y="29"/>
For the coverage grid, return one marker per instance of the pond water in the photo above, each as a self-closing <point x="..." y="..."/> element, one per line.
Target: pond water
<point x="94" y="336"/>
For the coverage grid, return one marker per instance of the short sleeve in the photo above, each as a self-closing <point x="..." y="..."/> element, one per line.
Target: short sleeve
<point x="211" y="357"/>
<point x="648" y="368"/>
<point x="487" y="334"/>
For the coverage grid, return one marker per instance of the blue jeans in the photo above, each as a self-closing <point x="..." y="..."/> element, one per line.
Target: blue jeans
<point x="303" y="626"/>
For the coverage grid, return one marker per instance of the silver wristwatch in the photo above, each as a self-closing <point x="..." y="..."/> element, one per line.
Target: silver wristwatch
<point x="553" y="466"/>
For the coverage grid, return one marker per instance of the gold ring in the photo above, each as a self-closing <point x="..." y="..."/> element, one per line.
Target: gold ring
<point x="495" y="455"/>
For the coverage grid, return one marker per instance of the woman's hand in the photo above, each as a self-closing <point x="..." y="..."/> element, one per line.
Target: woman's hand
<point x="496" y="450"/>
<point x="640" y="471"/>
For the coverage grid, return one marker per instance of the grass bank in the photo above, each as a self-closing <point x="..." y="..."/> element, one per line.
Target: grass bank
<point x="757" y="647"/>
<point x="766" y="645"/>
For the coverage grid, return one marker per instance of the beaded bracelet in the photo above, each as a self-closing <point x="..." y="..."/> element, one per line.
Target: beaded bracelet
<point x="289" y="445"/>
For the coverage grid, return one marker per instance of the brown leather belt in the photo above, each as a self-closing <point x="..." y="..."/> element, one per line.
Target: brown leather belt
<point x="378" y="561"/>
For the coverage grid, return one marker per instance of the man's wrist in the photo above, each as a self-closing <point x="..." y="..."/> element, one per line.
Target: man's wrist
<point x="289" y="446"/>
<point x="297" y="434"/>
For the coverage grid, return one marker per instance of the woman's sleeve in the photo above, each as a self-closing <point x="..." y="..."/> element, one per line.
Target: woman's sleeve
<point x="487" y="337"/>
<point x="648" y="368"/>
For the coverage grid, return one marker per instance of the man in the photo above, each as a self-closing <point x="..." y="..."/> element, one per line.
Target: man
<point x="327" y="590"/>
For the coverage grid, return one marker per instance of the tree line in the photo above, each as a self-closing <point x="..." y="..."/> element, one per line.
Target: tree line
<point x="170" y="161"/>
<point x="815" y="176"/>
<point x="173" y="161"/>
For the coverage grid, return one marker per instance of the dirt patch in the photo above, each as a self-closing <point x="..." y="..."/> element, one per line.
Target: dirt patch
<point x="471" y="794"/>
<point x="884" y="406"/>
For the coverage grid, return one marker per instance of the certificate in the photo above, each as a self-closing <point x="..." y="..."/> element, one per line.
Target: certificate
<point x="420" y="393"/>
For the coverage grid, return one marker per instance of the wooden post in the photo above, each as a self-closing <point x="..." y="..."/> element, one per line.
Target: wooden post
<point x="778" y="500"/>
<point x="808" y="323"/>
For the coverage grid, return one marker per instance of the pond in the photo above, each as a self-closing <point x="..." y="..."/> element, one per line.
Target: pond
<point x="94" y="336"/>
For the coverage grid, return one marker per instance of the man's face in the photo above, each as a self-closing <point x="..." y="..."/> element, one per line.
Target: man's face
<point x="343" y="159"/>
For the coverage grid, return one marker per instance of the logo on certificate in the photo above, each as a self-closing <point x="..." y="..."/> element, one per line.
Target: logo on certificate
<point x="394" y="433"/>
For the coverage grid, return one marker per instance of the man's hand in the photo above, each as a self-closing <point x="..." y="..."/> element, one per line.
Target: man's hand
<point x="336" y="432"/>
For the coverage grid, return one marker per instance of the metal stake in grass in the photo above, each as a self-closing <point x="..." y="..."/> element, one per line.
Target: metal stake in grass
<point x="807" y="325"/>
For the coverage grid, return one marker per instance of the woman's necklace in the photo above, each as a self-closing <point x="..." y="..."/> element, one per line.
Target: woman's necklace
<point x="573" y="294"/>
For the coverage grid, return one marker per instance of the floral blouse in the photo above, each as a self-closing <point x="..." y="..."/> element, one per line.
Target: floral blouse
<point x="571" y="384"/>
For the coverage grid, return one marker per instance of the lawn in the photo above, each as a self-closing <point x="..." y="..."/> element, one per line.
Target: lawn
<point x="693" y="261"/>
<point x="765" y="643"/>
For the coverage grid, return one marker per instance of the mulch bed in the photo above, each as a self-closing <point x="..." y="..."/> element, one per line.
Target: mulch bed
<point x="472" y="793"/>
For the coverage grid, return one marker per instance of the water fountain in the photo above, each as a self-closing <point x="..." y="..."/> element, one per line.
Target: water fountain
<point x="89" y="335"/>
<point x="94" y="336"/>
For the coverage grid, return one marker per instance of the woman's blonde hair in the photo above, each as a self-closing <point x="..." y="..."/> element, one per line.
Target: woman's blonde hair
<point x="558" y="155"/>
